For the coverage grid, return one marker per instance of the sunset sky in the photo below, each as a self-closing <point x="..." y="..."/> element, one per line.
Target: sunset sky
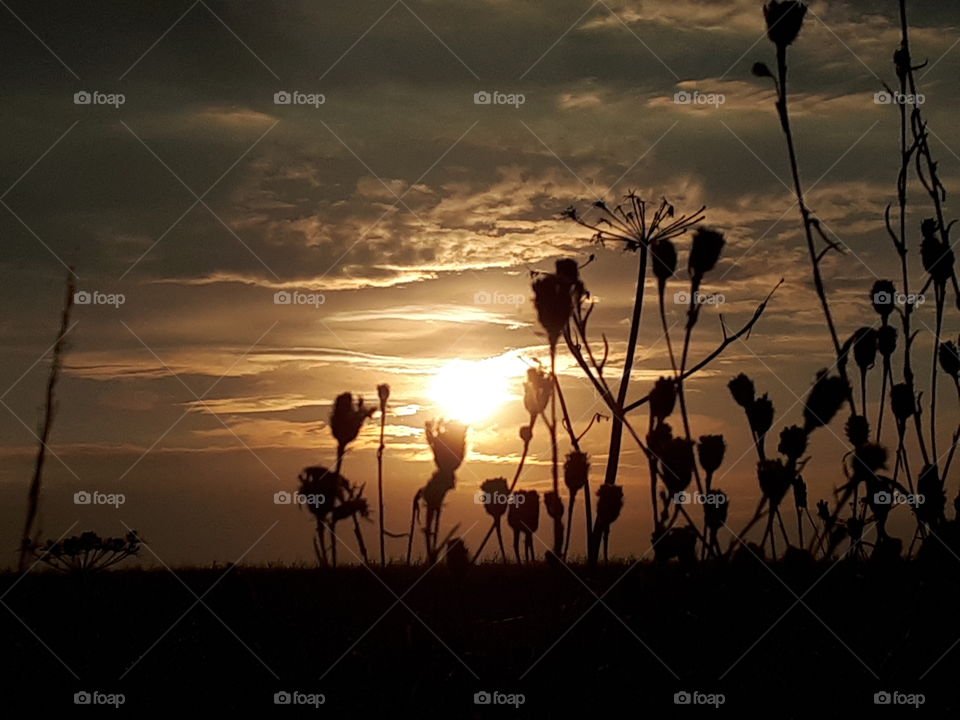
<point x="408" y="206"/>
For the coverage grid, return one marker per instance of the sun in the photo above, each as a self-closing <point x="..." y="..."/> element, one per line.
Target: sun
<point x="471" y="391"/>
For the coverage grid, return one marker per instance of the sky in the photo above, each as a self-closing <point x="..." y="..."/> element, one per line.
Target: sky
<point x="412" y="215"/>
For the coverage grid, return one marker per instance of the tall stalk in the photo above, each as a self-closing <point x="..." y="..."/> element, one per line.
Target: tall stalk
<point x="33" y="495"/>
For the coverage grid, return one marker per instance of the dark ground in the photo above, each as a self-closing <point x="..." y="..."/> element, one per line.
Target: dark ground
<point x="312" y="629"/>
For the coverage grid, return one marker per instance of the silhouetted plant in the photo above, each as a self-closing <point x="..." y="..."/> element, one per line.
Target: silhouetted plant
<point x="383" y="393"/>
<point x="448" y="441"/>
<point x="523" y="517"/>
<point x="85" y="553"/>
<point x="346" y="419"/>
<point x="495" y="493"/>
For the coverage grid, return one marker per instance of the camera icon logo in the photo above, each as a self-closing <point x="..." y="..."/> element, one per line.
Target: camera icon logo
<point x="82" y="498"/>
<point x="882" y="698"/>
<point x="282" y="98"/>
<point x="882" y="498"/>
<point x="82" y="98"/>
<point x="82" y="297"/>
<point x="882" y="298"/>
<point x="482" y="297"/>
<point x="681" y="297"/>
<point x="683" y="97"/>
<point x="282" y="297"/>
<point x="882" y="98"/>
<point x="82" y="698"/>
<point x="482" y="698"/>
<point x="682" y="698"/>
<point x="282" y="498"/>
<point x="482" y="98"/>
<point x="282" y="698"/>
<point x="682" y="498"/>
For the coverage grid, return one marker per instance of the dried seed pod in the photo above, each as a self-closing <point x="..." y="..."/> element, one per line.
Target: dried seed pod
<point x="857" y="429"/>
<point x="664" y="257"/>
<point x="902" y="401"/>
<point x="710" y="450"/>
<point x="705" y="251"/>
<point x="825" y="398"/>
<point x="575" y="471"/>
<point x="741" y="387"/>
<point x="887" y="340"/>
<point x="784" y="21"/>
<point x="663" y="397"/>
<point x="760" y="414"/>
<point x="793" y="442"/>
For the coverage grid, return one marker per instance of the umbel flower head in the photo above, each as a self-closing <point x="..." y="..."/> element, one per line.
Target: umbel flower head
<point x="448" y="440"/>
<point x="537" y="390"/>
<point x="710" y="450"/>
<point x="707" y="245"/>
<point x="825" y="398"/>
<point x="741" y="387"/>
<point x="346" y="419"/>
<point x="575" y="470"/>
<point x="784" y="20"/>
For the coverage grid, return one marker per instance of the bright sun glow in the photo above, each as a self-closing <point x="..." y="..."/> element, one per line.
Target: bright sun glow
<point x="472" y="391"/>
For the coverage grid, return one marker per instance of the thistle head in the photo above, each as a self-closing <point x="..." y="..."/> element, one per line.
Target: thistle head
<point x="857" y="430"/>
<point x="448" y="440"/>
<point x="949" y="358"/>
<point x="882" y="297"/>
<point x="741" y="387"/>
<point x="710" y="451"/>
<point x="575" y="471"/>
<point x="903" y="402"/>
<point x="825" y="398"/>
<point x="663" y="397"/>
<point x="784" y="21"/>
<point x="346" y="419"/>
<point x="793" y="442"/>
<point x="887" y="340"/>
<point x="494" y="493"/>
<point x="537" y="390"/>
<point x="705" y="251"/>
<point x="664" y="257"/>
<point x="760" y="415"/>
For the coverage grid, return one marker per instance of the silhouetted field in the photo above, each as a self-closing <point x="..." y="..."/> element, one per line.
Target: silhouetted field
<point x="537" y="630"/>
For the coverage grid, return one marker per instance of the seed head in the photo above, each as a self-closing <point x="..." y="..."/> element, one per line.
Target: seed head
<point x="741" y="387"/>
<point x="825" y="398"/>
<point x="575" y="471"/>
<point x="793" y="442"/>
<point x="707" y="245"/>
<point x="710" y="450"/>
<point x="663" y="397"/>
<point x="784" y="20"/>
